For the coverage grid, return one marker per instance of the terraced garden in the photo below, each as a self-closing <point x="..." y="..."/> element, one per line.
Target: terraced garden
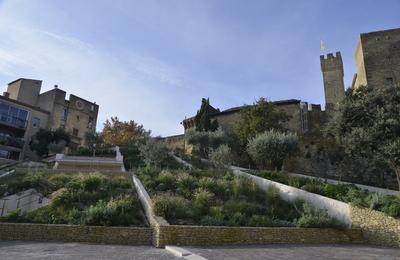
<point x="388" y="204"/>
<point x="82" y="199"/>
<point x="216" y="197"/>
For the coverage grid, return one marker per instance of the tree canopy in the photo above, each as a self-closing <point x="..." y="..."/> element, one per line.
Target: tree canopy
<point x="367" y="124"/>
<point x="203" y="117"/>
<point x="116" y="132"/>
<point x="45" y="139"/>
<point x="260" y="117"/>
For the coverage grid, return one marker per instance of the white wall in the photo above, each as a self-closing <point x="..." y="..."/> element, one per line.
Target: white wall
<point x="334" y="208"/>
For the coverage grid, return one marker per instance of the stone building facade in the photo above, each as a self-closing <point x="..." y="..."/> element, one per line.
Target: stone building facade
<point x="332" y="72"/>
<point x="377" y="59"/>
<point x="24" y="110"/>
<point x="303" y="116"/>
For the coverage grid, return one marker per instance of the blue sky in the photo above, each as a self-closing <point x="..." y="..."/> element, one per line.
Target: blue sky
<point x="153" y="61"/>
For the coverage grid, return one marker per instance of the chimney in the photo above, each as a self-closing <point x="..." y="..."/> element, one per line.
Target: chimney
<point x="55" y="86"/>
<point x="6" y="94"/>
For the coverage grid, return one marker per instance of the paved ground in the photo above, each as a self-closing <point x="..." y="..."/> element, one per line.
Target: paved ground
<point x="297" y="252"/>
<point x="16" y="250"/>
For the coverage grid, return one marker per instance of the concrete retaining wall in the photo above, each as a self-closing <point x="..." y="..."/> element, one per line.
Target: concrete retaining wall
<point x="334" y="208"/>
<point x="75" y="233"/>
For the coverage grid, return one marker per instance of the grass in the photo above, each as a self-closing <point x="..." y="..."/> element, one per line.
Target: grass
<point x="217" y="197"/>
<point x="83" y="199"/>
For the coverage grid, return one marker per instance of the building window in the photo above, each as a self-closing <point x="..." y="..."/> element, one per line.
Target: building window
<point x="389" y="81"/>
<point x="90" y="122"/>
<point x="36" y="122"/>
<point x="92" y="108"/>
<point x="64" y="114"/>
<point x="77" y="118"/>
<point x="75" y="132"/>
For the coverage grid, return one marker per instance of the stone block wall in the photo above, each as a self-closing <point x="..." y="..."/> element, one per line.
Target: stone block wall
<point x="75" y="233"/>
<point x="378" y="229"/>
<point x="210" y="235"/>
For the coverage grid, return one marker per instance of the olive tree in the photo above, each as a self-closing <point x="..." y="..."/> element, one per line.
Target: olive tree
<point x="271" y="148"/>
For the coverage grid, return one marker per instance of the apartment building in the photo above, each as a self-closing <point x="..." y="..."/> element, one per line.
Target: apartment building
<point x="24" y="110"/>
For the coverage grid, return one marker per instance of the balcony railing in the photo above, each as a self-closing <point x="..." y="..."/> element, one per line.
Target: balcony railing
<point x="13" y="121"/>
<point x="11" y="141"/>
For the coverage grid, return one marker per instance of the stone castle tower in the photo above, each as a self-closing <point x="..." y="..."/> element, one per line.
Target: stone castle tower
<point x="332" y="71"/>
<point x="378" y="59"/>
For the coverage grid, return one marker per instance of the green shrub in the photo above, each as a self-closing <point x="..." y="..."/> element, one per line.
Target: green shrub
<point x="260" y="221"/>
<point x="186" y="182"/>
<point x="167" y="180"/>
<point x="120" y="182"/>
<point x="245" y="207"/>
<point x="92" y="182"/>
<point x="237" y="219"/>
<point x="211" y="221"/>
<point x="202" y="200"/>
<point x="357" y="197"/>
<point x="314" y="187"/>
<point x="116" y="212"/>
<point x="60" y="180"/>
<point x="338" y="191"/>
<point x="314" y="218"/>
<point x="297" y="182"/>
<point x="172" y="207"/>
<point x="392" y="209"/>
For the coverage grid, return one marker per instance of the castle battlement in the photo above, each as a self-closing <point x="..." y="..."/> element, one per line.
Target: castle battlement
<point x="331" y="62"/>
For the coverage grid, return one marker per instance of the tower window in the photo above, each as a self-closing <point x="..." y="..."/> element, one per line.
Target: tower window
<point x="36" y="122"/>
<point x="75" y="132"/>
<point x="389" y="81"/>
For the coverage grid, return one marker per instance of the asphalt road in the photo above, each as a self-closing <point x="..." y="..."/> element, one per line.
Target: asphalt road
<point x="298" y="252"/>
<point x="16" y="250"/>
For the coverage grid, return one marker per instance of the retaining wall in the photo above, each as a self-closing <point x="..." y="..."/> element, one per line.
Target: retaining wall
<point x="334" y="208"/>
<point x="378" y="228"/>
<point x="209" y="235"/>
<point x="75" y="233"/>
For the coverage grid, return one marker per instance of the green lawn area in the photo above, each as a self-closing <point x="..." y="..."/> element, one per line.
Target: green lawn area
<point x="218" y="198"/>
<point x="82" y="199"/>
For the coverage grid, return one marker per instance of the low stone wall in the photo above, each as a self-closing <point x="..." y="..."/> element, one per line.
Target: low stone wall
<point x="208" y="235"/>
<point x="75" y="233"/>
<point x="72" y="171"/>
<point x="378" y="228"/>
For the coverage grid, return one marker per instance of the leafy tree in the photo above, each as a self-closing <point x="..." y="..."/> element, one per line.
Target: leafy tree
<point x="271" y="148"/>
<point x="116" y="132"/>
<point x="367" y="125"/>
<point x="45" y="139"/>
<point x="222" y="155"/>
<point x="94" y="140"/>
<point x="258" y="118"/>
<point x="204" y="141"/>
<point x="132" y="156"/>
<point x="154" y="152"/>
<point x="203" y="117"/>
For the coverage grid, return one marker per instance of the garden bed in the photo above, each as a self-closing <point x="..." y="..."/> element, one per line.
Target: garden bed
<point x="80" y="199"/>
<point x="218" y="198"/>
<point x="388" y="204"/>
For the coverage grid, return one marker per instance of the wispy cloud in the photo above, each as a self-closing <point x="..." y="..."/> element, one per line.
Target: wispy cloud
<point x="126" y="86"/>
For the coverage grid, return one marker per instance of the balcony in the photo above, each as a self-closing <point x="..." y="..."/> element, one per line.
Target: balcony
<point x="11" y="141"/>
<point x="13" y="121"/>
